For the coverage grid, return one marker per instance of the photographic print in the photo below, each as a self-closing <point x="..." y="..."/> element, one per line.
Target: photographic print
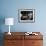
<point x="26" y="15"/>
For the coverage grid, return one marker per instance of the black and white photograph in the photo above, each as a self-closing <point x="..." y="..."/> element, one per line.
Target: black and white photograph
<point x="26" y="15"/>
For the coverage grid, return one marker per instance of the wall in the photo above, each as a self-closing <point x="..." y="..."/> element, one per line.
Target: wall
<point x="9" y="8"/>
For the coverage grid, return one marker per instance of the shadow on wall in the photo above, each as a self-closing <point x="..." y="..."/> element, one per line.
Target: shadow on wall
<point x="2" y="21"/>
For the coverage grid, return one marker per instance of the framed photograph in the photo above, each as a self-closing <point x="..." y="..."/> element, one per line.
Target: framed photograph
<point x="26" y="15"/>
